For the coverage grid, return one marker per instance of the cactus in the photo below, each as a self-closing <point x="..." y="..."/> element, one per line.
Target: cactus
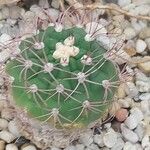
<point x="63" y="77"/>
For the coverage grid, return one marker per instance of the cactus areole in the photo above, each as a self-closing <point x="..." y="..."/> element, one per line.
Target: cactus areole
<point x="62" y="79"/>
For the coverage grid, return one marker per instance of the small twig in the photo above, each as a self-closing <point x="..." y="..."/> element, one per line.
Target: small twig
<point x="117" y="9"/>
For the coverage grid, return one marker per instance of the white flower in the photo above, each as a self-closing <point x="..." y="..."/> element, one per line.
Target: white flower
<point x="65" y="51"/>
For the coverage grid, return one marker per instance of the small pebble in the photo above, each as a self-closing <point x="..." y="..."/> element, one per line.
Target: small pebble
<point x="138" y="146"/>
<point x="12" y="127"/>
<point x="145" y="107"/>
<point x="44" y="4"/>
<point x="11" y="147"/>
<point x="140" y="131"/>
<point x="4" y="38"/>
<point x="21" y="140"/>
<point x="129" y="33"/>
<point x="140" y="46"/>
<point x="143" y="86"/>
<point x="28" y="147"/>
<point x="38" y="11"/>
<point x="5" y="12"/>
<point x="131" y="90"/>
<point x="145" y="96"/>
<point x="124" y="2"/>
<point x="7" y="136"/>
<point x="2" y="145"/>
<point x="98" y="139"/>
<point x="137" y="113"/>
<point x="92" y="147"/>
<point x="145" y="66"/>
<point x="7" y="114"/>
<point x="121" y="92"/>
<point x="3" y="124"/>
<point x="54" y="148"/>
<point x="131" y="122"/>
<point x="55" y="4"/>
<point x="145" y="33"/>
<point x="4" y="55"/>
<point x="145" y="141"/>
<point x="129" y="146"/>
<point x="86" y="139"/>
<point x="79" y="147"/>
<point x="70" y="148"/>
<point x="126" y="102"/>
<point x="148" y="43"/>
<point x="134" y="119"/>
<point x="129" y="134"/>
<point x="121" y="114"/>
<point x="119" y="145"/>
<point x="110" y="139"/>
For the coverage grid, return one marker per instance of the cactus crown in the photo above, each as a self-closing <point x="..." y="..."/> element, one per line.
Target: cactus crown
<point x="63" y="77"/>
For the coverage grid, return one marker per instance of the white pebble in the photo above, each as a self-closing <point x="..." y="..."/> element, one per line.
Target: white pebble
<point x="131" y="122"/>
<point x="55" y="148"/>
<point x="70" y="148"/>
<point x="54" y="13"/>
<point x="86" y="139"/>
<point x="140" y="131"/>
<point x="138" y="146"/>
<point x="129" y="134"/>
<point x="140" y="76"/>
<point x="142" y="10"/>
<point x="3" y="124"/>
<point x="110" y="138"/>
<point x="4" y="55"/>
<point x="38" y="11"/>
<point x="55" y="4"/>
<point x="11" y="147"/>
<point x="148" y="43"/>
<point x="134" y="119"/>
<point x="137" y="113"/>
<point x="129" y="33"/>
<point x="145" y="33"/>
<point x="145" y="107"/>
<point x="5" y="39"/>
<point x="79" y="147"/>
<point x="44" y="3"/>
<point x="92" y="147"/>
<point x="98" y="139"/>
<point x="2" y="145"/>
<point x="124" y="2"/>
<point x="129" y="146"/>
<point x="119" y="145"/>
<point x="5" y="12"/>
<point x="143" y="86"/>
<point x="131" y="90"/>
<point x="16" y="12"/>
<point x="6" y="136"/>
<point x="29" y="147"/>
<point x="146" y="141"/>
<point x="140" y="46"/>
<point x="1" y="81"/>
<point x="1" y="16"/>
<point x="144" y="96"/>
<point x="136" y="25"/>
<point x="126" y="102"/>
<point x="12" y="127"/>
<point x="7" y="114"/>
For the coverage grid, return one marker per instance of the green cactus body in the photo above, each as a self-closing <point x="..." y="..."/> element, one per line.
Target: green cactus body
<point x="62" y="79"/>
